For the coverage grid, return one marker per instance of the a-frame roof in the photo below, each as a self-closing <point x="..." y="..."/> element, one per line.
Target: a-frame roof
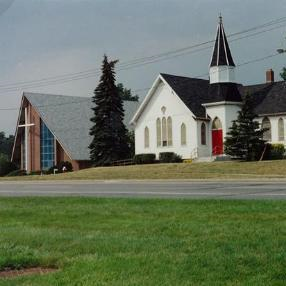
<point x="68" y="118"/>
<point x="221" y="52"/>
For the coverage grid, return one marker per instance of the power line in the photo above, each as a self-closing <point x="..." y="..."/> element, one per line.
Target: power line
<point x="135" y="63"/>
<point x="143" y="89"/>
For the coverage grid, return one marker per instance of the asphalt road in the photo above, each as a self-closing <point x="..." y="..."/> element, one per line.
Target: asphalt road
<point x="151" y="189"/>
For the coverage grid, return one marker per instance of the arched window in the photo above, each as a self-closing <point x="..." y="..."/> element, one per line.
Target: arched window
<point x="203" y="134"/>
<point x="267" y="126"/>
<point x="280" y="129"/>
<point x="146" y="137"/>
<point x="183" y="134"/>
<point x="170" y="131"/>
<point x="164" y="132"/>
<point x="216" y="124"/>
<point x="159" y="132"/>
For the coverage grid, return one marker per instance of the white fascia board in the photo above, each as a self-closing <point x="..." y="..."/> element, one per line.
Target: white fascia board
<point x="165" y="82"/>
<point x="17" y="127"/>
<point x="145" y="101"/>
<point x="271" y="114"/>
<point x="222" y="103"/>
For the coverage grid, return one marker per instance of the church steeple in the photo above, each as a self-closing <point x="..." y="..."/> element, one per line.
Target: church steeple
<point x="222" y="64"/>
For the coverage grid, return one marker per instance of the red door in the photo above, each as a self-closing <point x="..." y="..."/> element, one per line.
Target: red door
<point x="217" y="142"/>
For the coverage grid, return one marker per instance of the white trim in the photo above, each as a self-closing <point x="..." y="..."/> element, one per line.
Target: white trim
<point x="16" y="131"/>
<point x="222" y="103"/>
<point x="225" y="51"/>
<point x="145" y="101"/>
<point x="150" y="94"/>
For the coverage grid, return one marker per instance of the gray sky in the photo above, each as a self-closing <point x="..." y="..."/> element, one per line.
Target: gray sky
<point x="44" y="38"/>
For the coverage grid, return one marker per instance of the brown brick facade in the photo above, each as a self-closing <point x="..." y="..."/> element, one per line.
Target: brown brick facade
<point x="34" y="146"/>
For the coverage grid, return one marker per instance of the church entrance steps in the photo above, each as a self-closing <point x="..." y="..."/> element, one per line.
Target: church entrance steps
<point x="204" y="159"/>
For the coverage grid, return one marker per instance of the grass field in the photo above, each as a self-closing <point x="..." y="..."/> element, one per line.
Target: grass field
<point x="214" y="170"/>
<point x="144" y="242"/>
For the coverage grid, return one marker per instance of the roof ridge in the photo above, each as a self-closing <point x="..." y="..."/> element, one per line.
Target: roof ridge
<point x="185" y="77"/>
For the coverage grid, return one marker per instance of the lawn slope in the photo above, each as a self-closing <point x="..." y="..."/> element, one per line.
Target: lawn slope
<point x="215" y="170"/>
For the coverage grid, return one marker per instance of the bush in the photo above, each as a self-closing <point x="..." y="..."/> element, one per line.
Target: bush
<point x="144" y="158"/>
<point x="274" y="152"/>
<point x="66" y="164"/>
<point x="17" y="173"/>
<point x="169" y="157"/>
<point x="6" y="167"/>
<point x="277" y="151"/>
<point x="59" y="167"/>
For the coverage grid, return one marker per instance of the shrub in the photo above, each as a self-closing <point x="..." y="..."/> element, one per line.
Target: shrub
<point x="67" y="164"/>
<point x="277" y="151"/>
<point x="169" y="157"/>
<point x="6" y="167"/>
<point x="35" y="173"/>
<point x="17" y="173"/>
<point x="59" y="167"/>
<point x="144" y="158"/>
<point x="274" y="152"/>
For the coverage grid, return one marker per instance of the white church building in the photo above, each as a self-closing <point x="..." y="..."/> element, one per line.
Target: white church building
<point x="191" y="116"/>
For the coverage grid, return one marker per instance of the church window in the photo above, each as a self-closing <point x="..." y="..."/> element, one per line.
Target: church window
<point x="266" y="124"/>
<point x="146" y="137"/>
<point x="281" y="129"/>
<point x="164" y="132"/>
<point x="183" y="134"/>
<point x="159" y="132"/>
<point x="203" y="134"/>
<point x="216" y="124"/>
<point x="47" y="147"/>
<point x="170" y="131"/>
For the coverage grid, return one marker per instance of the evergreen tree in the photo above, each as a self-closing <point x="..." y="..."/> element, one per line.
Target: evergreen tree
<point x="245" y="138"/>
<point x="126" y="94"/>
<point x="110" y="136"/>
<point x="283" y="73"/>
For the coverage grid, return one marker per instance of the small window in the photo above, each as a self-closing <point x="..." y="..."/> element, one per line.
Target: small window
<point x="281" y="129"/>
<point x="183" y="134"/>
<point x="267" y="126"/>
<point x="159" y="132"/>
<point x="203" y="134"/>
<point x="146" y="137"/>
<point x="164" y="132"/>
<point x="170" y="131"/>
<point x="216" y="124"/>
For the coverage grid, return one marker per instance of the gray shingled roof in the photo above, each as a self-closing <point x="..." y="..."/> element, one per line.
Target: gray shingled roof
<point x="68" y="118"/>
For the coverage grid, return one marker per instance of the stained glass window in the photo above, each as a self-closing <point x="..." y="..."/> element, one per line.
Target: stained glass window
<point x="47" y="147"/>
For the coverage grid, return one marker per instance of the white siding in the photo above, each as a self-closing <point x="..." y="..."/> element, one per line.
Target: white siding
<point x="165" y="97"/>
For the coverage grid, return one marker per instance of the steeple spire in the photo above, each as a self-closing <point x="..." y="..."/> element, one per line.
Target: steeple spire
<point x="221" y="53"/>
<point x="222" y="65"/>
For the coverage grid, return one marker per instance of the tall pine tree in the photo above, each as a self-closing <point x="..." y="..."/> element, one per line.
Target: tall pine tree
<point x="110" y="136"/>
<point x="245" y="139"/>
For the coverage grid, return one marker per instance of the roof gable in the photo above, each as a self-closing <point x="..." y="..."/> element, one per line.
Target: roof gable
<point x="68" y="118"/>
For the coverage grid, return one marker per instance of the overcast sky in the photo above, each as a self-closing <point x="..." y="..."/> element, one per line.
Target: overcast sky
<point x="45" y="38"/>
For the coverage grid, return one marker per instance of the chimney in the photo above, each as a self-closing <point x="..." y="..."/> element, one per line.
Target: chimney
<point x="269" y="76"/>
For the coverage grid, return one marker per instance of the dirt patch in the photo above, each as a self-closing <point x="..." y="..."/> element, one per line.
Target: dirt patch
<point x="9" y="273"/>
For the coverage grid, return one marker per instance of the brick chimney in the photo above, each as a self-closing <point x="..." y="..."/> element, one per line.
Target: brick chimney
<point x="269" y="76"/>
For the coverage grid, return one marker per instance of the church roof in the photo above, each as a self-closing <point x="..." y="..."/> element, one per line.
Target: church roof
<point x="221" y="52"/>
<point x="195" y="92"/>
<point x="68" y="118"/>
<point x="269" y="98"/>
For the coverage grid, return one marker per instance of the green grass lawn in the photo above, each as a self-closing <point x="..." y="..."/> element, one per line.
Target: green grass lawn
<point x="214" y="170"/>
<point x="144" y="242"/>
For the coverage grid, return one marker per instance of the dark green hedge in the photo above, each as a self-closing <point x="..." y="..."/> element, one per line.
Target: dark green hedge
<point x="169" y="157"/>
<point x="144" y="158"/>
<point x="6" y="167"/>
